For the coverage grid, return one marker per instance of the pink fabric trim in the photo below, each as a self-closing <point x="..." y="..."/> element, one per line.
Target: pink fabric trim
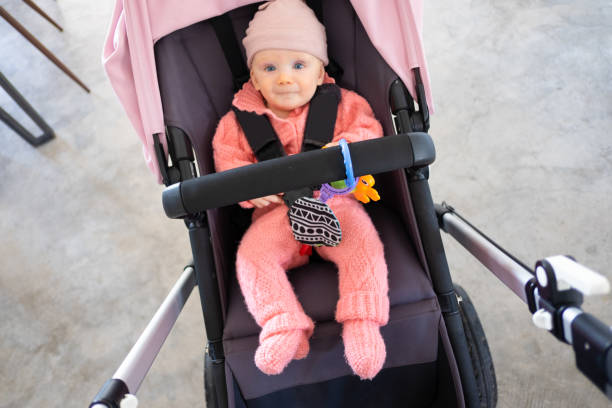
<point x="137" y="24"/>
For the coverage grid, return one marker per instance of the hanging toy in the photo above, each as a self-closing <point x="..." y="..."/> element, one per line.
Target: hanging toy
<point x="313" y="222"/>
<point x="361" y="188"/>
<point x="364" y="190"/>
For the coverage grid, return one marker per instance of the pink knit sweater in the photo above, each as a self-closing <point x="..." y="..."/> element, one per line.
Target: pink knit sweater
<point x="355" y="122"/>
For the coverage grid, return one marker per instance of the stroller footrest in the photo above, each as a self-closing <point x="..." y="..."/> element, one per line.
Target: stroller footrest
<point x="411" y="338"/>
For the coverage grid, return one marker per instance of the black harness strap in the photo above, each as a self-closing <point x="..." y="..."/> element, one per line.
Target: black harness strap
<point x="319" y="131"/>
<point x="321" y="120"/>
<point x="260" y="134"/>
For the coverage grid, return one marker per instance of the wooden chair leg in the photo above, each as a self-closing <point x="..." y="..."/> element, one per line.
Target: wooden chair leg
<point x="42" y="13"/>
<point x="11" y="20"/>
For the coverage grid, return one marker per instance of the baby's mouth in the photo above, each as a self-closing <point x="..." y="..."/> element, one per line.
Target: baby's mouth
<point x="286" y="92"/>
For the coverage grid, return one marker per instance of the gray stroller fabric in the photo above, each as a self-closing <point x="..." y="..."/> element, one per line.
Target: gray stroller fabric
<point x="197" y="88"/>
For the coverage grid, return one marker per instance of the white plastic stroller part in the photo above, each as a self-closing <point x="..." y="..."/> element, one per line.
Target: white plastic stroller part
<point x="570" y="273"/>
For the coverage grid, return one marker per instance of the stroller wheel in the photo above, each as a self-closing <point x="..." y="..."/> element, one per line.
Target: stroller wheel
<point x="482" y="361"/>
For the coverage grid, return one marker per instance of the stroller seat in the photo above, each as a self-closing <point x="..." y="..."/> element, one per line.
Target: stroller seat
<point x="413" y="323"/>
<point x="316" y="283"/>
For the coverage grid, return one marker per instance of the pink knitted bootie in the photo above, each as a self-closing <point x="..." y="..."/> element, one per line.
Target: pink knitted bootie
<point x="303" y="348"/>
<point x="364" y="347"/>
<point x="282" y="339"/>
<point x="277" y="351"/>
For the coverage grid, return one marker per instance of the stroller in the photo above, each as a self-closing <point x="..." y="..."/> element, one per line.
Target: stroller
<point x="175" y="92"/>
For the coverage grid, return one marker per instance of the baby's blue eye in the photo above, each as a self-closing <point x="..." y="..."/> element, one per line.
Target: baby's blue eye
<point x="269" y="68"/>
<point x="298" y="65"/>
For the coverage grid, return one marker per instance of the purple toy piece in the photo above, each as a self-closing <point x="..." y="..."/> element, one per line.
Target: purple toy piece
<point x="328" y="191"/>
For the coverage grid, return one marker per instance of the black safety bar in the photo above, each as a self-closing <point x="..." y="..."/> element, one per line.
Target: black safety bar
<point x="300" y="170"/>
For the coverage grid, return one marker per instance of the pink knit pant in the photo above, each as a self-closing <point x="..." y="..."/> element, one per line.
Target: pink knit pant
<point x="268" y="250"/>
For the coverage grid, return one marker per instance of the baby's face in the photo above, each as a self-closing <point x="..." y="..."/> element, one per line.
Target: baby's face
<point x="286" y="79"/>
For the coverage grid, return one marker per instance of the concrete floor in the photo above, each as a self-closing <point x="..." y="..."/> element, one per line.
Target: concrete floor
<point x="523" y="94"/>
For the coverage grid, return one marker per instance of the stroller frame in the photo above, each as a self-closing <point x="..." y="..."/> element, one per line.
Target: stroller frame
<point x="410" y="149"/>
<point x="408" y="121"/>
<point x="571" y="324"/>
<point x="183" y="195"/>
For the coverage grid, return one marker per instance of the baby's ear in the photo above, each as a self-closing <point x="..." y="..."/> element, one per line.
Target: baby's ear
<point x="321" y="74"/>
<point x="254" y="81"/>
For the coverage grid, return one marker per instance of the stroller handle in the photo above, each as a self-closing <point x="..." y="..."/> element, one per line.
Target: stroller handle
<point x="296" y="171"/>
<point x="555" y="304"/>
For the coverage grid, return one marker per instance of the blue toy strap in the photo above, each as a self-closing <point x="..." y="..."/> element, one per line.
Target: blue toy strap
<point x="348" y="164"/>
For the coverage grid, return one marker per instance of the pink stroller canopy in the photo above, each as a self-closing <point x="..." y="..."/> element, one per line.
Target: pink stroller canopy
<point x="393" y="26"/>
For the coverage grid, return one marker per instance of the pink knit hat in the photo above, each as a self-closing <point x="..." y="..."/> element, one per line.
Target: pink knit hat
<point x="287" y="25"/>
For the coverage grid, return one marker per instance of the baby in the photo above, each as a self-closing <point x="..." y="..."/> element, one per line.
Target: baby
<point x="286" y="52"/>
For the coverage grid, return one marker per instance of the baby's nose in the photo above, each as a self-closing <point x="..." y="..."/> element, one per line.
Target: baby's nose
<point x="284" y="78"/>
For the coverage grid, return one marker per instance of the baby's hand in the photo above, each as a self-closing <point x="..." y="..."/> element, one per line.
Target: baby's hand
<point x="266" y="201"/>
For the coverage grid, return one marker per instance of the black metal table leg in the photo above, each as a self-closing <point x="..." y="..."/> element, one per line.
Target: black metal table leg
<point x="47" y="134"/>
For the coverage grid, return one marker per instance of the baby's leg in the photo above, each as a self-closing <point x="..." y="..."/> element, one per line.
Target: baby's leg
<point x="364" y="303"/>
<point x="266" y="252"/>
